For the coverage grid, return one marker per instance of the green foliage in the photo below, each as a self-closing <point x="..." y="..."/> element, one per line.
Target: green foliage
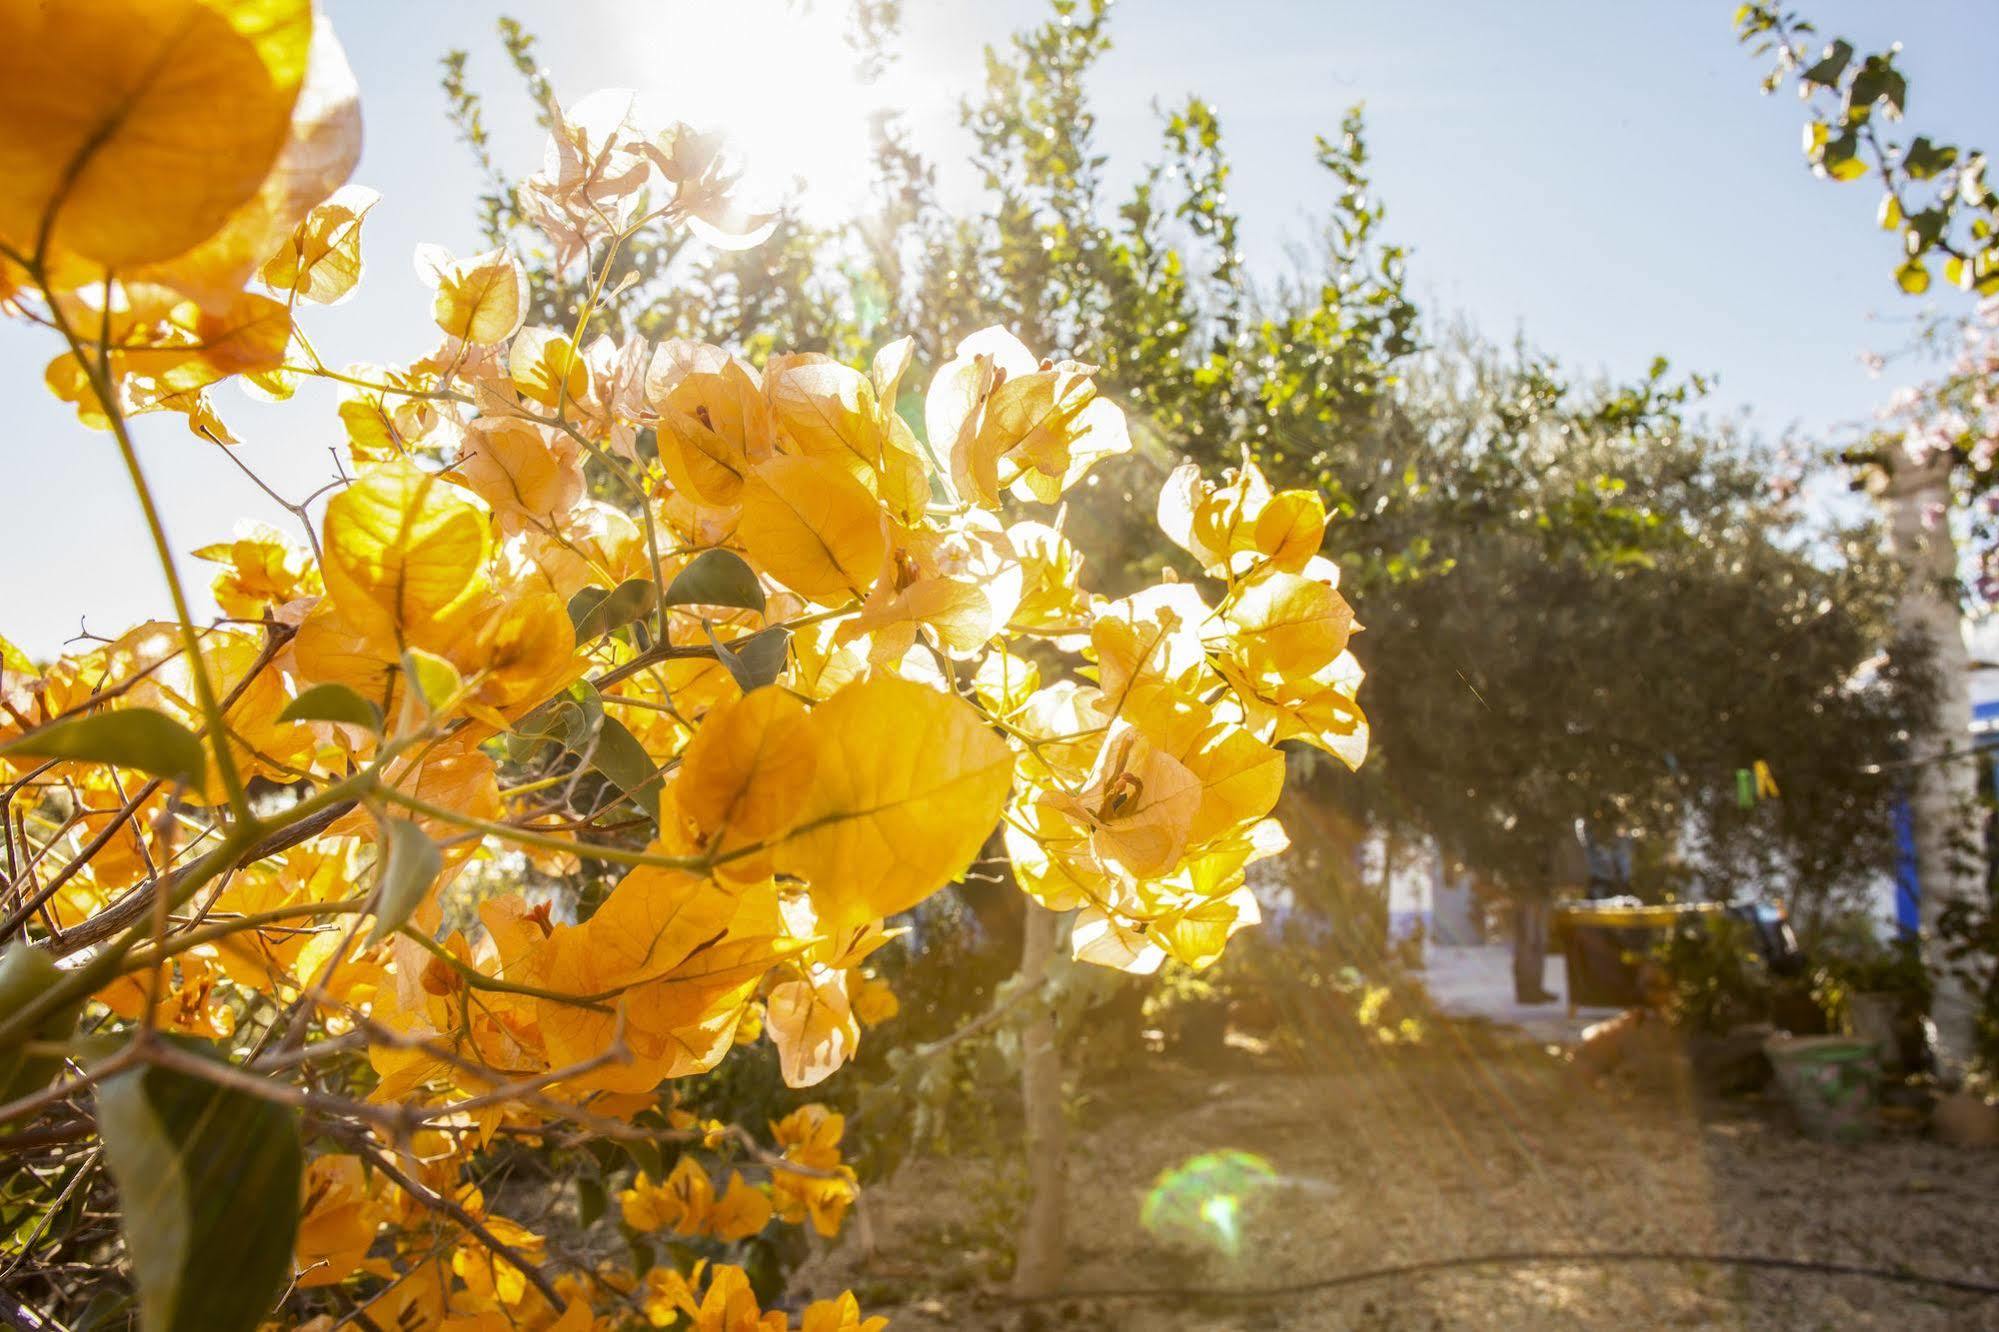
<point x="596" y="611"/>
<point x="208" y="1178"/>
<point x="1717" y="980"/>
<point x="601" y="745"/>
<point x="410" y="865"/>
<point x="1598" y="556"/>
<point x="623" y="761"/>
<point x="1933" y="194"/>
<point x="333" y="703"/>
<point x="754" y="661"/>
<point x="716" y="578"/>
<point x="24" y="974"/>
<point x="131" y="737"/>
<point x="1969" y="932"/>
<point x="1851" y="953"/>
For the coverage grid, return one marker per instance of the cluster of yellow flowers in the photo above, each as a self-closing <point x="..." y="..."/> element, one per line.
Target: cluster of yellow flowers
<point x="817" y="655"/>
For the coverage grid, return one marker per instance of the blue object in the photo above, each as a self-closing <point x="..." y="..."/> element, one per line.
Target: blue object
<point x="1908" y="892"/>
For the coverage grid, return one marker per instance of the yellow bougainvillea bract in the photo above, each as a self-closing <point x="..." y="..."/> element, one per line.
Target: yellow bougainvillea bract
<point x="773" y="660"/>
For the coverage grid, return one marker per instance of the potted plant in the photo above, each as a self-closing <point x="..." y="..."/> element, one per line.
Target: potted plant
<point x="1878" y="995"/>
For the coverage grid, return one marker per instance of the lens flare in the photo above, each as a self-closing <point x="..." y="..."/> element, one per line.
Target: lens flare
<point x="1201" y="1201"/>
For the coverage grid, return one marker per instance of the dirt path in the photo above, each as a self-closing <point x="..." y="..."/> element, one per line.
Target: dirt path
<point x="1464" y="1145"/>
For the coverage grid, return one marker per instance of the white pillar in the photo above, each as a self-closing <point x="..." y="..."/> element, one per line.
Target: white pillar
<point x="1943" y="788"/>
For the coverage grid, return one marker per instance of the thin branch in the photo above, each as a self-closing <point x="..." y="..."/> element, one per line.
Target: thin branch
<point x="437" y="1202"/>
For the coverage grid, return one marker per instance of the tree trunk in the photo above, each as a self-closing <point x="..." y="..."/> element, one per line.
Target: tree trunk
<point x="1530" y="948"/>
<point x="1039" y="1252"/>
<point x="1943" y="782"/>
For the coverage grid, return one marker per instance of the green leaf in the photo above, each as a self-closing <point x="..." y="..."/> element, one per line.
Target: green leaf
<point x="411" y="863"/>
<point x="623" y="761"/>
<point x="646" y="1156"/>
<point x="579" y="725"/>
<point x="333" y="703"/>
<point x="596" y="612"/>
<point x="1924" y="229"/>
<point x="130" y="738"/>
<point x="208" y="1185"/>
<point x="25" y="973"/>
<point x="717" y="578"/>
<point x="1878" y="80"/>
<point x="1833" y="64"/>
<point x="1925" y="159"/>
<point x="435" y="680"/>
<point x="590" y="1200"/>
<point x="560" y="720"/>
<point x="1841" y="157"/>
<point x="754" y="661"/>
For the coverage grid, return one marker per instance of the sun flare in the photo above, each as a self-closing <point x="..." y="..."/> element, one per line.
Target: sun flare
<point x="803" y="127"/>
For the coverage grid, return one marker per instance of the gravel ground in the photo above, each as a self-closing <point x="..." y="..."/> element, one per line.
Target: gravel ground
<point x="1467" y="1144"/>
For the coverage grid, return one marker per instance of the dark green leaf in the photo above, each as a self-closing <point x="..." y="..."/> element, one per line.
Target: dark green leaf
<point x="1878" y="80"/>
<point x="560" y="720"/>
<point x="754" y="661"/>
<point x="333" y="703"/>
<point x="590" y="1200"/>
<point x="1895" y="89"/>
<point x="583" y="603"/>
<point x="208" y="1186"/>
<point x="569" y="719"/>
<point x="130" y="737"/>
<point x="1831" y="66"/>
<point x="717" y="578"/>
<point x="411" y="863"/>
<point x="646" y="1156"/>
<point x="578" y="724"/>
<point x="1924" y="229"/>
<point x="596" y="612"/>
<point x="1924" y="159"/>
<point x="617" y="754"/>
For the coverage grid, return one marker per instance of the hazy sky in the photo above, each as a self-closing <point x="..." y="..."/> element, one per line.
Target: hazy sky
<point x="1604" y="177"/>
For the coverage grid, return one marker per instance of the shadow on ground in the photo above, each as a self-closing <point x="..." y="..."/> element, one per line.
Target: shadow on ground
<point x="1473" y="1142"/>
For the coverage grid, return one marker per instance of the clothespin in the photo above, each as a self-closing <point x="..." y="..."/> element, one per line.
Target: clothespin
<point x="1745" y="789"/>
<point x="1766" y="785"/>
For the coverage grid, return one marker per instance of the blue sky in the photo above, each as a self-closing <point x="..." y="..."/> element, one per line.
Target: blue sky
<point x="1605" y="178"/>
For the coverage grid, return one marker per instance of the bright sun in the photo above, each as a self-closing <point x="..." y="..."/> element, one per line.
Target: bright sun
<point x="802" y="121"/>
